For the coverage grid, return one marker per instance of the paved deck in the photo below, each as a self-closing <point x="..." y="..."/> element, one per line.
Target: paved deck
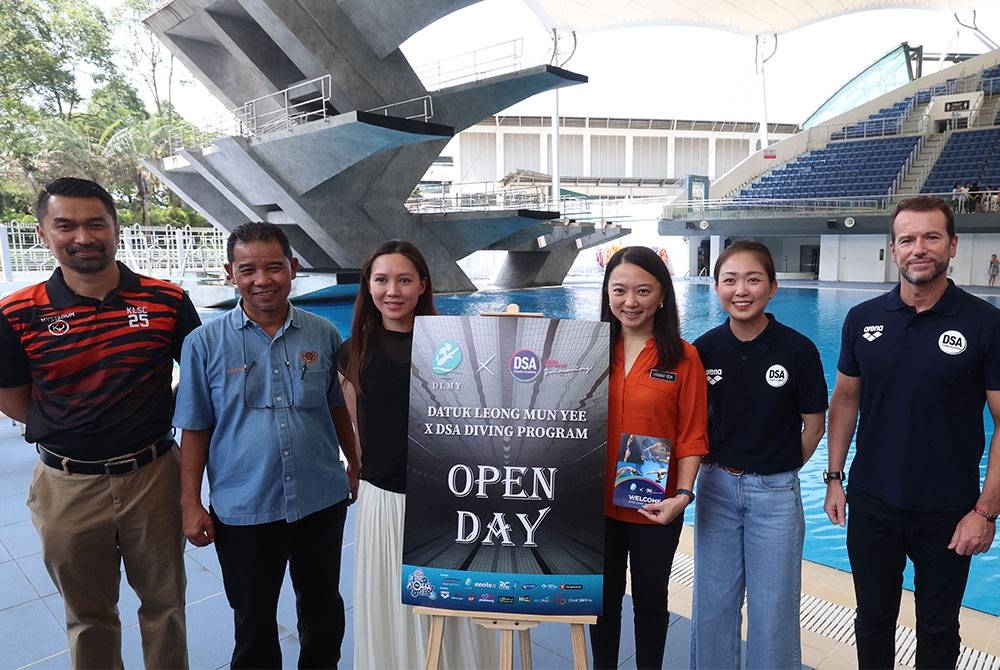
<point x="32" y="634"/>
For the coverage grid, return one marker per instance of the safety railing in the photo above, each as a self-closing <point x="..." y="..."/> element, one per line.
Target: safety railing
<point x="160" y="250"/>
<point x="301" y="103"/>
<point x="415" y="108"/>
<point x="748" y="208"/>
<point x="474" y="65"/>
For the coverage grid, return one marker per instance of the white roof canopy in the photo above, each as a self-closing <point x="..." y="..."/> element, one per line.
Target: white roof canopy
<point x="745" y="17"/>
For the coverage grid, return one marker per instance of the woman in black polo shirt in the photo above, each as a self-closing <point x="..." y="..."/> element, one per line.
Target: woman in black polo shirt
<point x="767" y="411"/>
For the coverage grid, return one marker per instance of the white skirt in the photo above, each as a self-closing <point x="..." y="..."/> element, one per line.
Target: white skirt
<point x="387" y="635"/>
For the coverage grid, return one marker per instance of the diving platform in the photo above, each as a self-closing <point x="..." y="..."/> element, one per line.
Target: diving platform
<point x="334" y="130"/>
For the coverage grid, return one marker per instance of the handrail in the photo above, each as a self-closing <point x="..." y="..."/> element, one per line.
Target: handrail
<point x="288" y="109"/>
<point x="160" y="250"/>
<point x="473" y="65"/>
<point x="735" y="208"/>
<point x="426" y="114"/>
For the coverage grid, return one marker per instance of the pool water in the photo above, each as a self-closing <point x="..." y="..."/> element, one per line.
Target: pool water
<point x="818" y="313"/>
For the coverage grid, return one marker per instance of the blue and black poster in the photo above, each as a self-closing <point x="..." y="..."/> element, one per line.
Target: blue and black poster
<point x="505" y="473"/>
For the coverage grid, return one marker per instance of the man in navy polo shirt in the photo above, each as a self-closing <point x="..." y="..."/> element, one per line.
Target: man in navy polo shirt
<point x="918" y="364"/>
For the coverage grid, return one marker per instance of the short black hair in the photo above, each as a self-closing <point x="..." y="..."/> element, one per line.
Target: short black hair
<point x="73" y="187"/>
<point x="258" y="231"/>
<point x="924" y="203"/>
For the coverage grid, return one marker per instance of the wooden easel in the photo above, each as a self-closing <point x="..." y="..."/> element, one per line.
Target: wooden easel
<point x="506" y="624"/>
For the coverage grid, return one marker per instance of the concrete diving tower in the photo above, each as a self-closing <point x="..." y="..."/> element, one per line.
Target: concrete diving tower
<point x="339" y="130"/>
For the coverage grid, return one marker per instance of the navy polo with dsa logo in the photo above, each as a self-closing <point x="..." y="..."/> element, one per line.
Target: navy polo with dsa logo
<point x="773" y="379"/>
<point x="923" y="377"/>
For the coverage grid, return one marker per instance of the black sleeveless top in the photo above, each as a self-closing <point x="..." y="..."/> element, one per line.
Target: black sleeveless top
<point x="383" y="408"/>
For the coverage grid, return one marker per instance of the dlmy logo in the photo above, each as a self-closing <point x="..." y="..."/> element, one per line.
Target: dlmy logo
<point x="446" y="358"/>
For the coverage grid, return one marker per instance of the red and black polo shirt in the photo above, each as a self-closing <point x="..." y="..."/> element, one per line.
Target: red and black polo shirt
<point x="100" y="370"/>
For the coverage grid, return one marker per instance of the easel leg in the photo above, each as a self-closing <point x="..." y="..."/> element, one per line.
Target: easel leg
<point x="524" y="639"/>
<point x="506" y="649"/>
<point x="579" y="647"/>
<point x="434" y="643"/>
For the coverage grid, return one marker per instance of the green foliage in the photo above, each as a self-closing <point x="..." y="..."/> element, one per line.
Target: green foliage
<point x="43" y="45"/>
<point x="65" y="109"/>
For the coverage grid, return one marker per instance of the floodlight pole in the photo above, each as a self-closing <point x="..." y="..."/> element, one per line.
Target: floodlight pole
<point x="760" y="61"/>
<point x="556" y="185"/>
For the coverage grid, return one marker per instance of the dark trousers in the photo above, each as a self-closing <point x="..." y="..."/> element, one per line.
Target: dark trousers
<point x="879" y="539"/>
<point x="253" y="560"/>
<point x="651" y="549"/>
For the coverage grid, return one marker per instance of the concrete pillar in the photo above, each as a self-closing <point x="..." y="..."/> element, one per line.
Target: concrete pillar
<point x="711" y="158"/>
<point x="715" y="248"/>
<point x="586" y="150"/>
<point x="693" y="243"/>
<point x="671" y="152"/>
<point x="629" y="171"/>
<point x="499" y="162"/>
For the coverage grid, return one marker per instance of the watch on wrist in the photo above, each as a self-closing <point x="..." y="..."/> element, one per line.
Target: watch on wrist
<point x="835" y="476"/>
<point x="686" y="492"/>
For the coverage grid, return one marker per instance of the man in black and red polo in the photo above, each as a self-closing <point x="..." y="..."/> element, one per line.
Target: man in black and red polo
<point x="85" y="362"/>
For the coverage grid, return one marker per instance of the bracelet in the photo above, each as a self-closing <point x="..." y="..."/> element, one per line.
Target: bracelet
<point x="992" y="518"/>
<point x="689" y="493"/>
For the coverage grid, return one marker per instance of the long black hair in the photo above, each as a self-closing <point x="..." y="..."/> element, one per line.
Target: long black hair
<point x="666" y="327"/>
<point x="367" y="324"/>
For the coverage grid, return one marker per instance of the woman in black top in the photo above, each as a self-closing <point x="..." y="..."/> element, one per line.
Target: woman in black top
<point x="374" y="367"/>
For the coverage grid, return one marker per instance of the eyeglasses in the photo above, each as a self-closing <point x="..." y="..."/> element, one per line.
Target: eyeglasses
<point x="255" y="381"/>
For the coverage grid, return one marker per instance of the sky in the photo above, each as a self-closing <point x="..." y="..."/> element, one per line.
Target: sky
<point x="680" y="72"/>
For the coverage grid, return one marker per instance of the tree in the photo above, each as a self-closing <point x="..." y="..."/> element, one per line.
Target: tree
<point x="43" y="46"/>
<point x="150" y="61"/>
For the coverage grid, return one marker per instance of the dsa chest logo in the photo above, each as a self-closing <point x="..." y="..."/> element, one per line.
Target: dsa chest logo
<point x="872" y="333"/>
<point x="952" y="342"/>
<point x="714" y="376"/>
<point x="776" y="376"/>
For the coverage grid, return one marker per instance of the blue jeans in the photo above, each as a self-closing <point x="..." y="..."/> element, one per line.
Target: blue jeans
<point x="748" y="535"/>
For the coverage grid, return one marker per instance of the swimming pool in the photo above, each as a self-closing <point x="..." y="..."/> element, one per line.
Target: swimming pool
<point x="819" y="313"/>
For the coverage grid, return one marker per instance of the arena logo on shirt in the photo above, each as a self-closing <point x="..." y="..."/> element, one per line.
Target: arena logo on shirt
<point x="952" y="342"/>
<point x="714" y="376"/>
<point x="776" y="376"/>
<point x="872" y="333"/>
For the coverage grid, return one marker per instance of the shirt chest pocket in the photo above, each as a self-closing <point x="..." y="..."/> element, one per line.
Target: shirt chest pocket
<point x="652" y="398"/>
<point x="312" y="386"/>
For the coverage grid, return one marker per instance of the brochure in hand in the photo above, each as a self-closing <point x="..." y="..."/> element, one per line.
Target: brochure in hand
<point x="641" y="473"/>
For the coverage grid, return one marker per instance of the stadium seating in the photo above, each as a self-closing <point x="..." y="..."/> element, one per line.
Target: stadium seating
<point x="887" y="121"/>
<point x="969" y="156"/>
<point x="863" y="169"/>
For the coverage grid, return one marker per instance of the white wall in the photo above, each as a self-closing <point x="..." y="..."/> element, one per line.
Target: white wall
<point x="856" y="259"/>
<point x="973" y="258"/>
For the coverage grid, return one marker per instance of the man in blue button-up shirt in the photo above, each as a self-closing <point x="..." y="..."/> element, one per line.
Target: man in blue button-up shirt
<point x="260" y="406"/>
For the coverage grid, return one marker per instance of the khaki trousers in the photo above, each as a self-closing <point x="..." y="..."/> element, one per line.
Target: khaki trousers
<point x="89" y="525"/>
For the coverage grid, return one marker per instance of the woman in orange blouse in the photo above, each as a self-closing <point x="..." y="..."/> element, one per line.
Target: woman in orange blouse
<point x="657" y="388"/>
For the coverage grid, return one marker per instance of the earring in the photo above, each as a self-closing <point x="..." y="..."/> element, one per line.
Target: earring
<point x="661" y="305"/>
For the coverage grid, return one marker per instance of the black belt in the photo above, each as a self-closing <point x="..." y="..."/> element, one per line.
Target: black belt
<point x="733" y="471"/>
<point x="113" y="466"/>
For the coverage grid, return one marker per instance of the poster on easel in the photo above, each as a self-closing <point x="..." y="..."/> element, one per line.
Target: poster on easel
<point x="505" y="472"/>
